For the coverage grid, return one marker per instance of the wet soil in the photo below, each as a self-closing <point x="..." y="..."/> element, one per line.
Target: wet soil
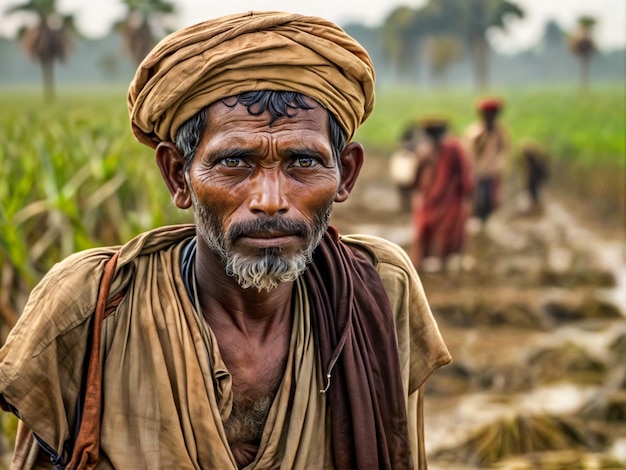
<point x="533" y="313"/>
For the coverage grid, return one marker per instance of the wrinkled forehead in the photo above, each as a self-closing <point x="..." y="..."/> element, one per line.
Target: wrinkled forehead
<point x="234" y="122"/>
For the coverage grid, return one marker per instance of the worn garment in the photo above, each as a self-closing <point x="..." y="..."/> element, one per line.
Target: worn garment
<point x="199" y="65"/>
<point x="444" y="185"/>
<point x="353" y="321"/>
<point x="489" y="152"/>
<point x="166" y="389"/>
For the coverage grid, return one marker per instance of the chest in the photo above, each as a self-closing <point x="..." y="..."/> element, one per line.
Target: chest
<point x="256" y="371"/>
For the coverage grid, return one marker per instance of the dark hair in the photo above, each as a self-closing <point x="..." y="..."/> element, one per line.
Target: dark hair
<point x="278" y="103"/>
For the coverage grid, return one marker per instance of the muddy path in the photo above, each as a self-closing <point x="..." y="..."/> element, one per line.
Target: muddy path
<point x="534" y="316"/>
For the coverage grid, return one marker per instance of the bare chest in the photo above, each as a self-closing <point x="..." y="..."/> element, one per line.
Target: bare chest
<point x="256" y="376"/>
<point x="255" y="372"/>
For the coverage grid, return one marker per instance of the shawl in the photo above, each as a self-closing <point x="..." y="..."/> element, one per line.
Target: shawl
<point x="204" y="63"/>
<point x="357" y="339"/>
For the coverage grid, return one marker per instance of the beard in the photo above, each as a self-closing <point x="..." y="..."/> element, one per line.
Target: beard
<point x="270" y="268"/>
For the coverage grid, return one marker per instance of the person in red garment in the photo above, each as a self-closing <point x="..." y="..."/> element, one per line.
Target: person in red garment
<point x="443" y="190"/>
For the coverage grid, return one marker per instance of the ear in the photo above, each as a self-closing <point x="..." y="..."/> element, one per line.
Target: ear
<point x="172" y="166"/>
<point x="351" y="163"/>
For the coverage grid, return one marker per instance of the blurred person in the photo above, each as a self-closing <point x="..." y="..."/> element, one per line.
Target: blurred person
<point x="442" y="199"/>
<point x="257" y="337"/>
<point x="488" y="148"/>
<point x="403" y="164"/>
<point x="535" y="170"/>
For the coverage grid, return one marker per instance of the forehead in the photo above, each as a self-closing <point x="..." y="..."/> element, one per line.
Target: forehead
<point x="231" y="116"/>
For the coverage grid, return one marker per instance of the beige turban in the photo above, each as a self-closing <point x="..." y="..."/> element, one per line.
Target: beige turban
<point x="199" y="65"/>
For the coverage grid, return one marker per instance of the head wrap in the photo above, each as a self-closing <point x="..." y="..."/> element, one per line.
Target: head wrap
<point x="434" y="122"/>
<point x="490" y="104"/>
<point x="199" y="65"/>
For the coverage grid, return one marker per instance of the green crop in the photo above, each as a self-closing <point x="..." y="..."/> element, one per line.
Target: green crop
<point x="583" y="129"/>
<point x="73" y="178"/>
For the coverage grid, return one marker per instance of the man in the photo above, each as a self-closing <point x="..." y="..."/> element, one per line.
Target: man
<point x="488" y="148"/>
<point x="535" y="172"/>
<point x="258" y="337"/>
<point x="442" y="197"/>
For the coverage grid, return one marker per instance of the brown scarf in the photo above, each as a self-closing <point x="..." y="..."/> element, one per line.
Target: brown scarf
<point x="358" y="347"/>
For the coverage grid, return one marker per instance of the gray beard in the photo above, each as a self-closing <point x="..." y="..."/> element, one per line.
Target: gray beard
<point x="270" y="269"/>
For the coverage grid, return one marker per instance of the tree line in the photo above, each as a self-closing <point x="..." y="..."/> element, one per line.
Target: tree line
<point x="432" y="37"/>
<point x="48" y="39"/>
<point x="442" y="32"/>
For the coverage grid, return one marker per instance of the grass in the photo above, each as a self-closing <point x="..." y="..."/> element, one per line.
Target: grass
<point x="73" y="178"/>
<point x="584" y="129"/>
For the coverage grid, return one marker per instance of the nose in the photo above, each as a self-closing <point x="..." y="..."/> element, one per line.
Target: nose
<point x="268" y="194"/>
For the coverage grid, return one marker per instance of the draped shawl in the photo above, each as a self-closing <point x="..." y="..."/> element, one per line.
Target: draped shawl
<point x="357" y="337"/>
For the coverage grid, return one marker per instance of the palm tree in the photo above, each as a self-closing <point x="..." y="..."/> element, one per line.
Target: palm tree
<point x="583" y="46"/>
<point x="481" y="16"/>
<point x="48" y="40"/>
<point x="137" y="27"/>
<point x="399" y="48"/>
<point x="470" y="20"/>
<point x="443" y="50"/>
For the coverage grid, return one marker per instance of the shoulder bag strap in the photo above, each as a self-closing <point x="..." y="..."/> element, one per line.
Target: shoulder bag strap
<point x="87" y="446"/>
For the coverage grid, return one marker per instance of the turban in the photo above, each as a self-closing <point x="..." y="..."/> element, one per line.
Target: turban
<point x="199" y="65"/>
<point x="490" y="104"/>
<point x="434" y="122"/>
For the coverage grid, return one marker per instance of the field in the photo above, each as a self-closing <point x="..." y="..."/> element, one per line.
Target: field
<point x="585" y="129"/>
<point x="74" y="177"/>
<point x="583" y="133"/>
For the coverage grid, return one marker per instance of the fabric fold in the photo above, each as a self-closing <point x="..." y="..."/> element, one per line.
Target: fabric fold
<point x="355" y="322"/>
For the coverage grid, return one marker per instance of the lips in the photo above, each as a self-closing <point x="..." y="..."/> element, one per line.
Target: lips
<point x="269" y="239"/>
<point x="268" y="233"/>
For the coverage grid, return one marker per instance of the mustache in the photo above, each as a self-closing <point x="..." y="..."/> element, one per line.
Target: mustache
<point x="268" y="224"/>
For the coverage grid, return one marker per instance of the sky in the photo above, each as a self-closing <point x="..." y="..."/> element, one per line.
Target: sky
<point x="94" y="18"/>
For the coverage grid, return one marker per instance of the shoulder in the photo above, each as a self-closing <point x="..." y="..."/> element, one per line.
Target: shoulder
<point x="453" y="145"/>
<point x="420" y="344"/>
<point x="64" y="298"/>
<point x="473" y="130"/>
<point x="395" y="269"/>
<point x="502" y="129"/>
<point x="66" y="295"/>
<point x="379" y="250"/>
<point x="53" y="327"/>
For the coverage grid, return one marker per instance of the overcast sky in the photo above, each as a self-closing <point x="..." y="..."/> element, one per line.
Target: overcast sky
<point x="94" y="18"/>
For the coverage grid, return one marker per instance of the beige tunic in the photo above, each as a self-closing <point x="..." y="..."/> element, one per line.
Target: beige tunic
<point x="166" y="390"/>
<point x="488" y="152"/>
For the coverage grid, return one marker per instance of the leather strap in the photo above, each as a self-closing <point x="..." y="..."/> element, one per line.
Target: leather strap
<point x="86" y="449"/>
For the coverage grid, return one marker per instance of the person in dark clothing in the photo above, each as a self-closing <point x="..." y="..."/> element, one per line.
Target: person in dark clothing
<point x="535" y="165"/>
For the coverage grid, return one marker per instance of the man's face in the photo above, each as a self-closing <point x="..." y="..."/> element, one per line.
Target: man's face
<point x="262" y="195"/>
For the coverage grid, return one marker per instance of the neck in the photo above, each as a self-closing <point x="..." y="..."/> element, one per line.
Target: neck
<point x="225" y="303"/>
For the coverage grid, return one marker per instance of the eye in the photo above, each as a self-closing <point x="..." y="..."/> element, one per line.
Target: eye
<point x="305" y="162"/>
<point x="233" y="162"/>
